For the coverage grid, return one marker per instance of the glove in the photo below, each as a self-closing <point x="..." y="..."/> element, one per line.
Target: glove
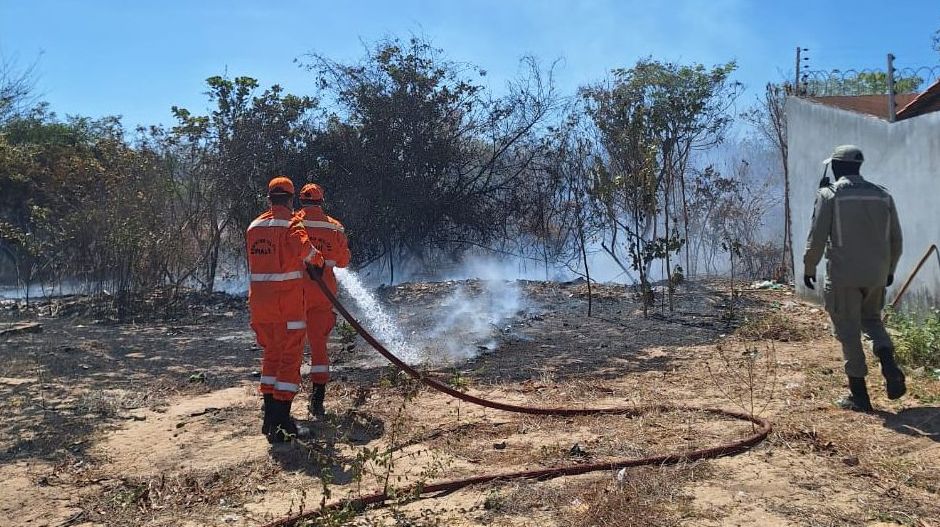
<point x="315" y="272"/>
<point x="810" y="281"/>
<point x="890" y="280"/>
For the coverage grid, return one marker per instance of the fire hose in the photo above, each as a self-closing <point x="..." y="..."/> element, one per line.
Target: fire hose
<point x="758" y="434"/>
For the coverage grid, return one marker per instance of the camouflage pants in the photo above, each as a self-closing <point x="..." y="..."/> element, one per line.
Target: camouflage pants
<point x="853" y="310"/>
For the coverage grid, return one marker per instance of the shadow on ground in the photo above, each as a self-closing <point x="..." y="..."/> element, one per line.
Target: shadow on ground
<point x="922" y="421"/>
<point x="58" y="386"/>
<point x="316" y="454"/>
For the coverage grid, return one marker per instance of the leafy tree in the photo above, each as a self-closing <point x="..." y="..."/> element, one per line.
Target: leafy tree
<point x="231" y="154"/>
<point x="649" y="120"/>
<point x="83" y="204"/>
<point x="417" y="155"/>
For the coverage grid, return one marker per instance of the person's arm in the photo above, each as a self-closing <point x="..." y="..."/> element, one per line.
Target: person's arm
<point x="896" y="240"/>
<point x="342" y="249"/>
<point x="818" y="232"/>
<point x="301" y="246"/>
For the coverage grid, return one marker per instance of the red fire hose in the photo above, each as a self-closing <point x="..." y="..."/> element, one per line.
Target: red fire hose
<point x="726" y="449"/>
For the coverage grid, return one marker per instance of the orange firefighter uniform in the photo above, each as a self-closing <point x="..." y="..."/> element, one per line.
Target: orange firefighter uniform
<point x="278" y="252"/>
<point x="328" y="236"/>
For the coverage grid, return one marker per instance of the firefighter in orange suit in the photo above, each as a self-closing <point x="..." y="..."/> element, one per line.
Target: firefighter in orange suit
<point x="328" y="237"/>
<point x="279" y="257"/>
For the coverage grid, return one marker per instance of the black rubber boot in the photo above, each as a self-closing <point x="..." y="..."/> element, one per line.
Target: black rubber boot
<point x="280" y="426"/>
<point x="894" y="378"/>
<point x="316" y="400"/>
<point x="283" y="427"/>
<point x="289" y="425"/>
<point x="268" y="407"/>
<point x="858" y="399"/>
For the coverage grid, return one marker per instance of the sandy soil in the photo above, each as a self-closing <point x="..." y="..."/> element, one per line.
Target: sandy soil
<point x="157" y="423"/>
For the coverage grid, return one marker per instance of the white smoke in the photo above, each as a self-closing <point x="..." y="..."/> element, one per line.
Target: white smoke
<point x="467" y="320"/>
<point x="232" y="284"/>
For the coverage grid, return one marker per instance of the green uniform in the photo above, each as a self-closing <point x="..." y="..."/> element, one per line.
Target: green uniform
<point x="856" y="223"/>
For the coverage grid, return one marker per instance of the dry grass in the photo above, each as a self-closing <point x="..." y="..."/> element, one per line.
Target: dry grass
<point x="131" y="500"/>
<point x="520" y="442"/>
<point x="112" y="403"/>
<point x="644" y="496"/>
<point x="777" y="326"/>
<point x="892" y="470"/>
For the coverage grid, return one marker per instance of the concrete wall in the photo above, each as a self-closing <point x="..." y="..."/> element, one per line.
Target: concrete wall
<point x="904" y="157"/>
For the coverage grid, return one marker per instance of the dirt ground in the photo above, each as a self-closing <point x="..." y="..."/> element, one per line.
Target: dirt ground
<point x="157" y="423"/>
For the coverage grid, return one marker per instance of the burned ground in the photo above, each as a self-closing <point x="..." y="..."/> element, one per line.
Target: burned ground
<point x="155" y="422"/>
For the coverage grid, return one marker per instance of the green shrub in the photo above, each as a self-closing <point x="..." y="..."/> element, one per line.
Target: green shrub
<point x="917" y="338"/>
<point x="347" y="333"/>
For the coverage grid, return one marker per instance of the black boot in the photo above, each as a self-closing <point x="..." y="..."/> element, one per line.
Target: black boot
<point x="267" y="406"/>
<point x="316" y="400"/>
<point x="283" y="427"/>
<point x="894" y="377"/>
<point x="858" y="399"/>
<point x="289" y="425"/>
<point x="279" y="430"/>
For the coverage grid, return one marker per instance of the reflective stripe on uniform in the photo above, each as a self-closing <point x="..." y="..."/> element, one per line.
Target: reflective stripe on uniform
<point x="286" y="386"/>
<point x="275" y="277"/>
<point x="329" y="263"/>
<point x="296" y="324"/>
<point x="838" y="217"/>
<point x="319" y="368"/>
<point x="269" y="223"/>
<point x="323" y="225"/>
<point x="268" y="379"/>
<point x="310" y="255"/>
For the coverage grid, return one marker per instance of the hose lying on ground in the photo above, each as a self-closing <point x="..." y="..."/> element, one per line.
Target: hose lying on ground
<point x="725" y="449"/>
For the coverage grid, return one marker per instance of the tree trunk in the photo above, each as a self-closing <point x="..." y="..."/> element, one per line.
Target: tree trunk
<point x="731" y="302"/>
<point x="668" y="271"/>
<point x="545" y="258"/>
<point x="685" y="226"/>
<point x="212" y="263"/>
<point x="642" y="267"/>
<point x="587" y="270"/>
<point x="788" y="260"/>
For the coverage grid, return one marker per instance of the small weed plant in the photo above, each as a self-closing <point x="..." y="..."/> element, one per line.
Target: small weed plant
<point x="347" y="333"/>
<point x="746" y="377"/>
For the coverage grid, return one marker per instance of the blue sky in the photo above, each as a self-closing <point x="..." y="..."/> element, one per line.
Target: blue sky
<point x="138" y="58"/>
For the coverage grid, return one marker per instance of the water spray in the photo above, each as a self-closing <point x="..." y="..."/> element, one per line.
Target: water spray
<point x="378" y="320"/>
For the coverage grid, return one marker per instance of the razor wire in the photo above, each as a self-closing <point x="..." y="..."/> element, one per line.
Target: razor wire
<point x="851" y="82"/>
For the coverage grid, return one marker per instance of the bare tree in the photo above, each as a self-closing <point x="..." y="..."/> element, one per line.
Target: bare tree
<point x="769" y="119"/>
<point x="17" y="87"/>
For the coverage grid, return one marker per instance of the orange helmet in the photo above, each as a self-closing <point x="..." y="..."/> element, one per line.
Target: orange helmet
<point x="281" y="185"/>
<point x="311" y="192"/>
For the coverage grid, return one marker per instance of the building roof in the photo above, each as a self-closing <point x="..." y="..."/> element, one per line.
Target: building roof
<point x="874" y="105"/>
<point x="928" y="101"/>
<point x="908" y="104"/>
